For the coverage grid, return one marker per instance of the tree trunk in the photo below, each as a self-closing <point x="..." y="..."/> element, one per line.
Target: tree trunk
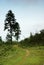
<point x="11" y="32"/>
<point x="11" y="35"/>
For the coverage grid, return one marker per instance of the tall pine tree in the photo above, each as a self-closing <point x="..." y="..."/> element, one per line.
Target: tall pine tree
<point x="12" y="26"/>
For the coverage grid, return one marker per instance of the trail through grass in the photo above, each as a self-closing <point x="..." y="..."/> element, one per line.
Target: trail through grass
<point x="20" y="56"/>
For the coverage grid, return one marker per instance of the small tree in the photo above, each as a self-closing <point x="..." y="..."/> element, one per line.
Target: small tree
<point x="17" y="31"/>
<point x="10" y="25"/>
<point x="8" y="37"/>
<point x="0" y="39"/>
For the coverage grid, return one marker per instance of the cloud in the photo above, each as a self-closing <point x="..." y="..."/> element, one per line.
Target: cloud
<point x="25" y="1"/>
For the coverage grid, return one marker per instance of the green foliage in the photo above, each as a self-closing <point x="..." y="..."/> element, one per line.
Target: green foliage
<point x="34" y="40"/>
<point x="17" y="31"/>
<point x="1" y="40"/>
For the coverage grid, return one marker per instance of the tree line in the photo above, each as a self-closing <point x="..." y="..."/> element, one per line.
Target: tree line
<point x="34" y="40"/>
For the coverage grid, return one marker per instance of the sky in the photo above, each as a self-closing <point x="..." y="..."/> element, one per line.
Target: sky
<point x="28" y="13"/>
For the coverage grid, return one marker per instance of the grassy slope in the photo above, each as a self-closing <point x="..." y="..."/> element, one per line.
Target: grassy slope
<point x="19" y="56"/>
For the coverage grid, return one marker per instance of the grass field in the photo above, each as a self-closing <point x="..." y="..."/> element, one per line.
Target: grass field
<point x="21" y="56"/>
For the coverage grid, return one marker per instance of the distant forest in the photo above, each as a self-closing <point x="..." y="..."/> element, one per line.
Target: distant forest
<point x="34" y="40"/>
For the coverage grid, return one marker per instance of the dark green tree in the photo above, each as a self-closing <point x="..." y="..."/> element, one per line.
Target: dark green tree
<point x="10" y="25"/>
<point x="17" y="31"/>
<point x="8" y="37"/>
<point x="0" y="39"/>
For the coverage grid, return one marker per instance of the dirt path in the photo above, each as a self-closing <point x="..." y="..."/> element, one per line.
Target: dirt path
<point x="24" y="57"/>
<point x="27" y="52"/>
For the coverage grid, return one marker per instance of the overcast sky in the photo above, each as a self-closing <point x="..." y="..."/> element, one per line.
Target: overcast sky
<point x="29" y="14"/>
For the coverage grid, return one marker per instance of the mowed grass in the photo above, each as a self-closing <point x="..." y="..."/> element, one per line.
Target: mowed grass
<point x="22" y="56"/>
